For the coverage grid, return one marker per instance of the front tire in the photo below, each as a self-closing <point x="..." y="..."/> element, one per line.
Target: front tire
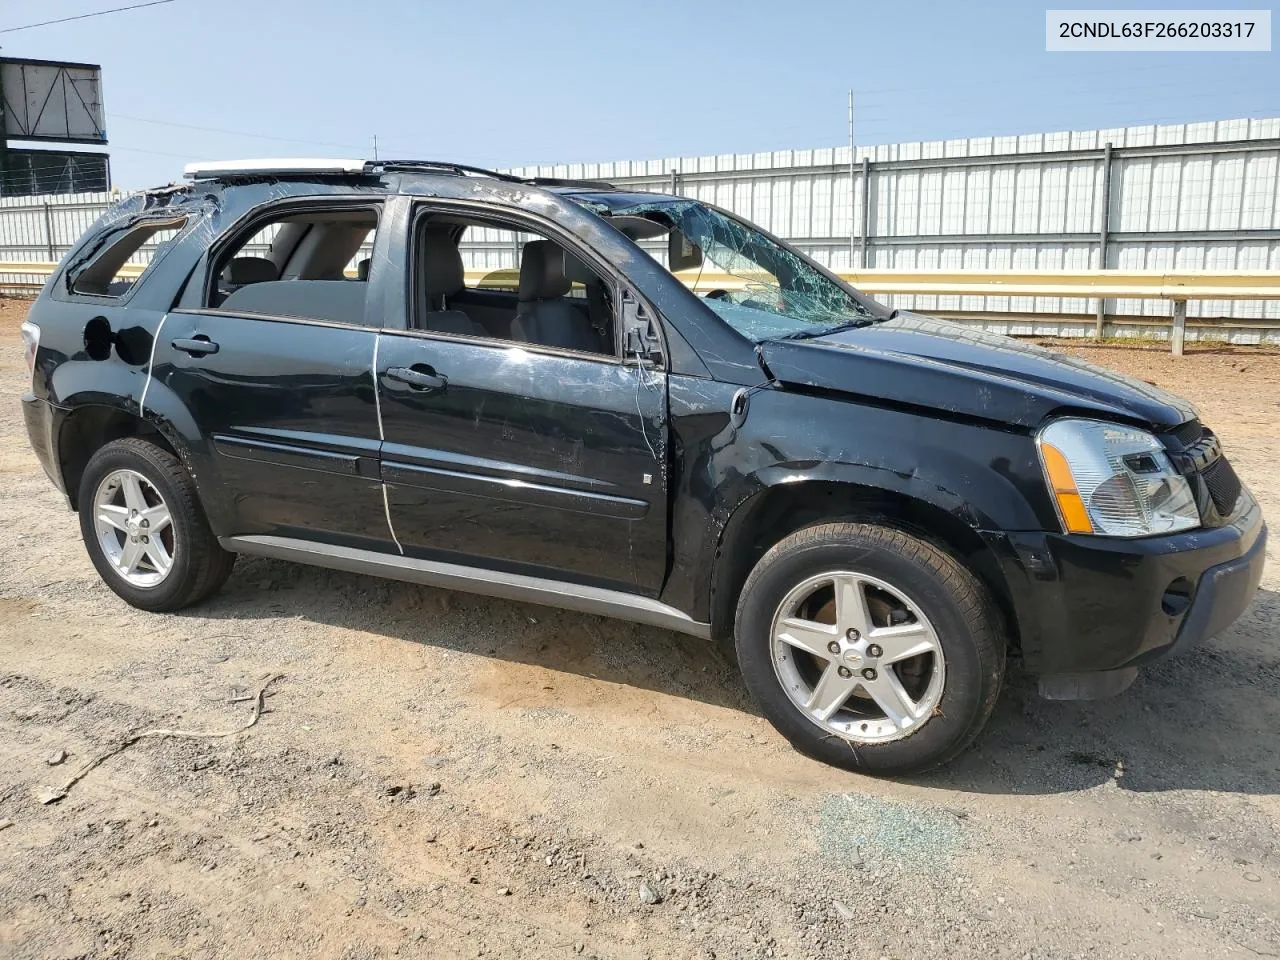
<point x="868" y="648"/>
<point x="144" y="528"/>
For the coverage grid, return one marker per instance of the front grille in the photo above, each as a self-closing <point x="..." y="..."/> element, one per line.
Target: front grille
<point x="1223" y="485"/>
<point x="1189" y="433"/>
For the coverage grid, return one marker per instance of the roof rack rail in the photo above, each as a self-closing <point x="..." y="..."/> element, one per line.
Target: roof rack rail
<point x="562" y="182"/>
<point x="458" y="168"/>
<point x="318" y="167"/>
<point x="462" y="168"/>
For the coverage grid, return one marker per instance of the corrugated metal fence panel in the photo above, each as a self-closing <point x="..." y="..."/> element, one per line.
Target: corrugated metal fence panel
<point x="42" y="228"/>
<point x="967" y="213"/>
<point x="1030" y="201"/>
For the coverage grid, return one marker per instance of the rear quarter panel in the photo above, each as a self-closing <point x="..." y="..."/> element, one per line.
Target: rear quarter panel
<point x="95" y="352"/>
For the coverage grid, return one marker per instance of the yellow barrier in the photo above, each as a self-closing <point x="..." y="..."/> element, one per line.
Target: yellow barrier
<point x="1122" y="284"/>
<point x="1113" y="284"/>
<point x="1177" y="286"/>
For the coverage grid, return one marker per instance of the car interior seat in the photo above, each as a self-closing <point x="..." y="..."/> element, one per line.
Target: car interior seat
<point x="544" y="314"/>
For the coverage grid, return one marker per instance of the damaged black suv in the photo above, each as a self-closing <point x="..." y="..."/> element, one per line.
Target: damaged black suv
<point x="633" y="405"/>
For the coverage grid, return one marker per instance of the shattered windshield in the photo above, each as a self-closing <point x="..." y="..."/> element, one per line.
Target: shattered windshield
<point x="755" y="284"/>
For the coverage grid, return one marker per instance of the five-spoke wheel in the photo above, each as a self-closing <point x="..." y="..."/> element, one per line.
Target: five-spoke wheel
<point x="868" y="647"/>
<point x="144" y="528"/>
<point x="135" y="529"/>
<point x="857" y="656"/>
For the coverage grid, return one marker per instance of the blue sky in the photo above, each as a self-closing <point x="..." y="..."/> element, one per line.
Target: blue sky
<point x="503" y="83"/>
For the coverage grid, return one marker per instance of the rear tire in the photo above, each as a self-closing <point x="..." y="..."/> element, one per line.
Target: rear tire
<point x="868" y="648"/>
<point x="145" y="531"/>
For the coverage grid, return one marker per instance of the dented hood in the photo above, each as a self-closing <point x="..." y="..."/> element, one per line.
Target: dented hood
<point x="920" y="361"/>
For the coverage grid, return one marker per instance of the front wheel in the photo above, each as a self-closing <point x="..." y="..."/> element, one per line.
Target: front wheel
<point x="868" y="648"/>
<point x="145" y="530"/>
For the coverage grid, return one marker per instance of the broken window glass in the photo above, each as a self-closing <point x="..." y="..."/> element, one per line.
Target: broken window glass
<point x="760" y="287"/>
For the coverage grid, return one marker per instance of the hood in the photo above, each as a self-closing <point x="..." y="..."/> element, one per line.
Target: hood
<point x="920" y="361"/>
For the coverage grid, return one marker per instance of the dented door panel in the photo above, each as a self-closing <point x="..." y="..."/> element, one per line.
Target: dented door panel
<point x="546" y="463"/>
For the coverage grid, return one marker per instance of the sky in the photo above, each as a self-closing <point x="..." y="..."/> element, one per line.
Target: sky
<point x="505" y="83"/>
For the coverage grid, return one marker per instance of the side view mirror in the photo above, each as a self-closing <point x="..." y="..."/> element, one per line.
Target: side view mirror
<point x="682" y="253"/>
<point x="639" y="338"/>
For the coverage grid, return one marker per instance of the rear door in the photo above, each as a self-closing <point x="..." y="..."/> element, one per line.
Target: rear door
<point x="278" y="379"/>
<point x="511" y="455"/>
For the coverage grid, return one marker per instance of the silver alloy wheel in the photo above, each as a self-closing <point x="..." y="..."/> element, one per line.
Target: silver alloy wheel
<point x="134" y="528"/>
<point x="857" y="657"/>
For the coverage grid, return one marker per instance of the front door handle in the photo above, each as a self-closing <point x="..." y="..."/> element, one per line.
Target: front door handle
<point x="419" y="377"/>
<point x="196" y="346"/>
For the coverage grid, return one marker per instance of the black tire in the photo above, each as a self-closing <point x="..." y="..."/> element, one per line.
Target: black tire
<point x="200" y="566"/>
<point x="953" y="600"/>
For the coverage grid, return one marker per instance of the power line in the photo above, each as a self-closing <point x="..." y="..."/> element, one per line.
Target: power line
<point x="158" y="153"/>
<point x="235" y="133"/>
<point x="85" y="16"/>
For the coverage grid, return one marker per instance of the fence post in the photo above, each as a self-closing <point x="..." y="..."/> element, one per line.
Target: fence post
<point x="866" y="209"/>
<point x="1104" y="228"/>
<point x="48" y="231"/>
<point x="1179" y="326"/>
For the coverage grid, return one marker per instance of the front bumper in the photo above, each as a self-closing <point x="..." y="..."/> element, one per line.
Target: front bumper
<point x="1088" y="605"/>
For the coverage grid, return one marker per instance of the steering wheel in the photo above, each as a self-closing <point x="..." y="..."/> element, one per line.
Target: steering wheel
<point x="717" y="295"/>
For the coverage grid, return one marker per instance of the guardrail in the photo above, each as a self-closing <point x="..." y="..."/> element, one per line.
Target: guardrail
<point x="1177" y="286"/>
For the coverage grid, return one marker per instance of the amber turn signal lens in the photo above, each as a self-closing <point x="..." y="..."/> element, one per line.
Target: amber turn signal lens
<point x="1071" y="508"/>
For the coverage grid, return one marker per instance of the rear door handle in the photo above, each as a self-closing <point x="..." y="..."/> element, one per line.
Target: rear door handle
<point x="196" y="346"/>
<point x="418" y="379"/>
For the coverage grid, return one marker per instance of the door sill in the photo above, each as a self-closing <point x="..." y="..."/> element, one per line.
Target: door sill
<point x="491" y="583"/>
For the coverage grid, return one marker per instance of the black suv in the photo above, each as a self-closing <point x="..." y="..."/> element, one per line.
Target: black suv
<point x="633" y="405"/>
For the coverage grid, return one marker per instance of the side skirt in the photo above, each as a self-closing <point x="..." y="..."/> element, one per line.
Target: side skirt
<point x="490" y="583"/>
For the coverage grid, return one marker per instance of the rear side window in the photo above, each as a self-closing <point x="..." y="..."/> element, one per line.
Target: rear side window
<point x="311" y="265"/>
<point x="117" y="268"/>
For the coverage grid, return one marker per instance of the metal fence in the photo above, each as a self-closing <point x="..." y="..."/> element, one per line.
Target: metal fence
<point x="1197" y="196"/>
<point x="1187" y="197"/>
<point x="41" y="228"/>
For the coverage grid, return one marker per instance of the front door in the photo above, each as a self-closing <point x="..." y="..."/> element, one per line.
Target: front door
<point x="548" y="464"/>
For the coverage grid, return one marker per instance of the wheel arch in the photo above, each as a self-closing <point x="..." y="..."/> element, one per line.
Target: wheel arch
<point x="780" y="509"/>
<point x="88" y="428"/>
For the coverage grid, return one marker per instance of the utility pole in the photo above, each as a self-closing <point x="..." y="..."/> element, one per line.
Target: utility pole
<point x="375" y="146"/>
<point x="852" y="218"/>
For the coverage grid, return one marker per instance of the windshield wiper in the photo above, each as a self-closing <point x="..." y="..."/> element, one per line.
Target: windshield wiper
<point x="823" y="331"/>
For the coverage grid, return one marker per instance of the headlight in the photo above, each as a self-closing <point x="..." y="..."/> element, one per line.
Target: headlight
<point x="1113" y="480"/>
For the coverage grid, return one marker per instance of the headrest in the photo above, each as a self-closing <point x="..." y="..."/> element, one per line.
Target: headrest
<point x="242" y="270"/>
<point x="576" y="271"/>
<point x="442" y="273"/>
<point x="547" y="272"/>
<point x="362" y="269"/>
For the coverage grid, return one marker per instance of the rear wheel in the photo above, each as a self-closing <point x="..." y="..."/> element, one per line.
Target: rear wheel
<point x="144" y="529"/>
<point x="868" y="648"/>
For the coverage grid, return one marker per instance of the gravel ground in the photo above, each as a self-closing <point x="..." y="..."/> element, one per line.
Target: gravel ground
<point x="441" y="775"/>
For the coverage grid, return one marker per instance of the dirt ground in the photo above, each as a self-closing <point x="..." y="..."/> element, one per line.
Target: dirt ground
<point x="441" y="775"/>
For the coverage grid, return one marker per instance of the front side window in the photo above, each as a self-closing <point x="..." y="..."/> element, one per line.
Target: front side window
<point x="484" y="277"/>
<point x="117" y="267"/>
<point x="309" y="265"/>
<point x="758" y="286"/>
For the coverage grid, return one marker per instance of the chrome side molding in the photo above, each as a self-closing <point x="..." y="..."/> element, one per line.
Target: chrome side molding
<point x="490" y="583"/>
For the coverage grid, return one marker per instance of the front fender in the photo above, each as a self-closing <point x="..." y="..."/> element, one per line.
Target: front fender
<point x="978" y="477"/>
